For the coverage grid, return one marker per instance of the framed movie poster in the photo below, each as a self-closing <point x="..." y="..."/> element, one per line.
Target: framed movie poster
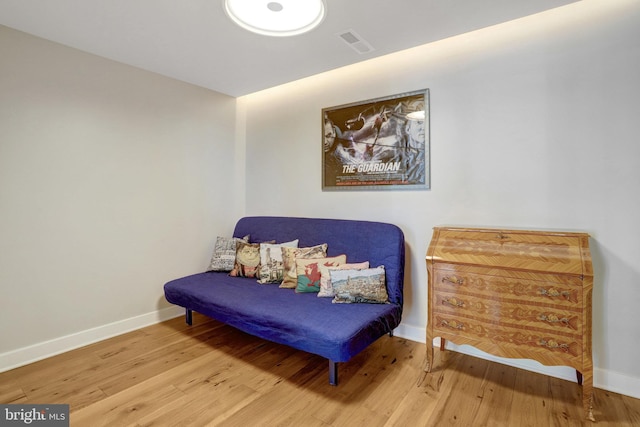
<point x="379" y="144"/>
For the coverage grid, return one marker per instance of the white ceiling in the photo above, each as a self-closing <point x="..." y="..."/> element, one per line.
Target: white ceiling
<point x="194" y="41"/>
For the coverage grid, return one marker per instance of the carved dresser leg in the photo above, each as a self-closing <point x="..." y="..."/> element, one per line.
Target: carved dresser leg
<point x="429" y="365"/>
<point x="587" y="396"/>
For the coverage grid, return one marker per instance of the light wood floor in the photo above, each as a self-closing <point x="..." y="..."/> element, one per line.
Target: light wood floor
<point x="211" y="374"/>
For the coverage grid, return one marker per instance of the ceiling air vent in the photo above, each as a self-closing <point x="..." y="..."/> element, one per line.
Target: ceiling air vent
<point x="355" y="42"/>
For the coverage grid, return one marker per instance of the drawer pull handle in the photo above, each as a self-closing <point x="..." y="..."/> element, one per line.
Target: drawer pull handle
<point x="555" y="293"/>
<point x="551" y="344"/>
<point x="453" y="279"/>
<point x="552" y="318"/>
<point x="454" y="302"/>
<point x="453" y="324"/>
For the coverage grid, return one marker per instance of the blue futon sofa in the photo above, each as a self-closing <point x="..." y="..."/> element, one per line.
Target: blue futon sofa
<point x="303" y="320"/>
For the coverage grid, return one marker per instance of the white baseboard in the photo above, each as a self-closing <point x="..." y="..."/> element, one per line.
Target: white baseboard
<point x="616" y="382"/>
<point x="33" y="353"/>
<point x="602" y="378"/>
<point x="413" y="333"/>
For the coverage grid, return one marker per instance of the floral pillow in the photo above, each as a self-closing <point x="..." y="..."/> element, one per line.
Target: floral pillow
<point x="326" y="289"/>
<point x="359" y="286"/>
<point x="271" y="266"/>
<point x="289" y="256"/>
<point x="224" y="253"/>
<point x="310" y="271"/>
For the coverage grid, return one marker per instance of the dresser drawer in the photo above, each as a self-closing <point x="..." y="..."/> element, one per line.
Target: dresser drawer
<point x="517" y="286"/>
<point x="550" y="318"/>
<point x="551" y="348"/>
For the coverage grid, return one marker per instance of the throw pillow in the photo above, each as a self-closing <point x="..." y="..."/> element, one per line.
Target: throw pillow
<point x="271" y="266"/>
<point x="309" y="271"/>
<point x="365" y="286"/>
<point x="247" y="260"/>
<point x="326" y="289"/>
<point x="289" y="256"/>
<point x="224" y="253"/>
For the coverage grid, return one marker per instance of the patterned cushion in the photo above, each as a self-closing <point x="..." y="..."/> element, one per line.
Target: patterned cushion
<point x="271" y="266"/>
<point x="289" y="256"/>
<point x="310" y="271"/>
<point x="352" y="286"/>
<point x="224" y="253"/>
<point x="326" y="289"/>
<point x="247" y="260"/>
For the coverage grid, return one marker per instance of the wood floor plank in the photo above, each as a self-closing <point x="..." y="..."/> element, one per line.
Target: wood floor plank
<point x="531" y="400"/>
<point x="423" y="404"/>
<point x="54" y="368"/>
<point x="360" y="416"/>
<point x="201" y="409"/>
<point x="10" y="393"/>
<point x="613" y="409"/>
<point x="66" y="385"/>
<point x="276" y="408"/>
<point x="127" y="407"/>
<point x="565" y="399"/>
<point x="462" y="402"/>
<point x="139" y="368"/>
<point x="346" y="402"/>
<point x="496" y="394"/>
<point x="632" y="409"/>
<point x="399" y="368"/>
<point x="172" y="374"/>
<point x="356" y="381"/>
<point x="138" y="344"/>
<point x="414" y="409"/>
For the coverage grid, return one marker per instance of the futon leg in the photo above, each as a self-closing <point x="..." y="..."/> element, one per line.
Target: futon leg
<point x="188" y="316"/>
<point x="333" y="372"/>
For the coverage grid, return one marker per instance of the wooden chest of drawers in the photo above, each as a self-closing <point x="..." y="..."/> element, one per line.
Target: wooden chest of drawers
<point x="513" y="293"/>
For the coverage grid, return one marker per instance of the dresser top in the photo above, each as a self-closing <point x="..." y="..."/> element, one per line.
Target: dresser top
<point x="540" y="251"/>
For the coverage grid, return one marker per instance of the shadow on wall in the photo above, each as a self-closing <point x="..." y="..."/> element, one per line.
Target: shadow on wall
<point x="599" y="314"/>
<point x="409" y="300"/>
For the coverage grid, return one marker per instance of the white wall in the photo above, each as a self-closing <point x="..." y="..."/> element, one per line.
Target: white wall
<point x="534" y="124"/>
<point x="109" y="187"/>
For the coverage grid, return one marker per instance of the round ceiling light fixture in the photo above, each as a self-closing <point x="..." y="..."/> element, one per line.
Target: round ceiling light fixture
<point x="276" y="18"/>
